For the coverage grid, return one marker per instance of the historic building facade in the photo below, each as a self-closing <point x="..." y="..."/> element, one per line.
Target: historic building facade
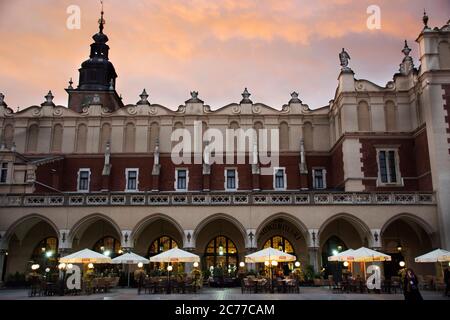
<point x="372" y="169"/>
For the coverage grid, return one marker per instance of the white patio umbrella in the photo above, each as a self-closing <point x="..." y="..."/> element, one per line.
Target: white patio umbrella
<point x="85" y="256"/>
<point x="341" y="256"/>
<point x="438" y="255"/>
<point x="269" y="254"/>
<point x="364" y="255"/>
<point x="175" y="255"/>
<point x="129" y="258"/>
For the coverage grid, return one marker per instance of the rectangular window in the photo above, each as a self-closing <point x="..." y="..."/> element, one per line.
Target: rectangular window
<point x="387" y="166"/>
<point x="4" y="172"/>
<point x="231" y="179"/>
<point x="84" y="176"/>
<point x="132" y="179"/>
<point x="181" y="183"/>
<point x="280" y="181"/>
<point x="319" y="176"/>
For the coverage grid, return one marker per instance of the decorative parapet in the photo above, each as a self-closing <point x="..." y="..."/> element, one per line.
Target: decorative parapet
<point x="217" y="198"/>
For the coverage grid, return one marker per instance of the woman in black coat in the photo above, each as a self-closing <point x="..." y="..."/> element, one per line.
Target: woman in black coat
<point x="411" y="286"/>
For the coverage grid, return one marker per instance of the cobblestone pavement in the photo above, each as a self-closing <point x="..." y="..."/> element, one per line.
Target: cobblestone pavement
<point x="316" y="293"/>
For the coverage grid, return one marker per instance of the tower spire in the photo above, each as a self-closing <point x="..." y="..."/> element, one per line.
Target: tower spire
<point x="101" y="21"/>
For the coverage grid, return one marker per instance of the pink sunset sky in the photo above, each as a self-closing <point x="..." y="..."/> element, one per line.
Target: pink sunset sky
<point x="216" y="47"/>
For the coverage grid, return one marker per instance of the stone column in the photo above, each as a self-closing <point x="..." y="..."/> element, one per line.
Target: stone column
<point x="375" y="242"/>
<point x="127" y="243"/>
<point x="64" y="243"/>
<point x="250" y="247"/>
<point x="313" y="248"/>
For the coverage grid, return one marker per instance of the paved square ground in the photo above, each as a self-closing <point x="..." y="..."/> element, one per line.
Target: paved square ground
<point x="310" y="293"/>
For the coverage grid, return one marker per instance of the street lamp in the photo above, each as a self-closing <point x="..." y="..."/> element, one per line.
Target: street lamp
<point x="195" y="264"/>
<point x="242" y="264"/>
<point x="297" y="264"/>
<point x="402" y="264"/>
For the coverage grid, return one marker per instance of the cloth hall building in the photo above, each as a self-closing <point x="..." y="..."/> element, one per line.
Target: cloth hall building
<point x="371" y="169"/>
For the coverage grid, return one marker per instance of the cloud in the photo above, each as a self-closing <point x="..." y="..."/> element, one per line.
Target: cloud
<point x="217" y="47"/>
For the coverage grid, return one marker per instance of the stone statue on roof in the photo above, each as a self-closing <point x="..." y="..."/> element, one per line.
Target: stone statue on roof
<point x="344" y="57"/>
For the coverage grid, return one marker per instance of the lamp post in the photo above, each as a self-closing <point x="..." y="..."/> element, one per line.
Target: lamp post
<point x="169" y="268"/>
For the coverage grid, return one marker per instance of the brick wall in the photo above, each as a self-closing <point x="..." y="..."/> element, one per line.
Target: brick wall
<point x="413" y="157"/>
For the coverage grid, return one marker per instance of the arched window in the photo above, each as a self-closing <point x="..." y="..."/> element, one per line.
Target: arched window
<point x="390" y="114"/>
<point x="105" y="136"/>
<point x="46" y="252"/>
<point x="161" y="244"/>
<point x="8" y="135"/>
<point x="108" y="245"/>
<point x="284" y="136"/>
<point x="308" y="135"/>
<point x="32" y="138"/>
<point x="363" y="116"/>
<point x="81" y="138"/>
<point x="279" y="243"/>
<point x="153" y="136"/>
<point x="221" y="252"/>
<point x="57" y="137"/>
<point x="234" y="125"/>
<point x="129" y="138"/>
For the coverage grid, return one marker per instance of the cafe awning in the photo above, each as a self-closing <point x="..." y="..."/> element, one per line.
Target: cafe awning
<point x="438" y="255"/>
<point x="130" y="258"/>
<point x="85" y="256"/>
<point x="175" y="255"/>
<point x="269" y="254"/>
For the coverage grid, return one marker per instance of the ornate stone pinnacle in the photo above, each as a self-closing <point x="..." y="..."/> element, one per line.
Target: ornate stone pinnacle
<point x="294" y="98"/>
<point x="70" y="83"/>
<point x="406" y="50"/>
<point x="48" y="99"/>
<point x="194" y="98"/>
<point x="144" y="97"/>
<point x="246" y="96"/>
